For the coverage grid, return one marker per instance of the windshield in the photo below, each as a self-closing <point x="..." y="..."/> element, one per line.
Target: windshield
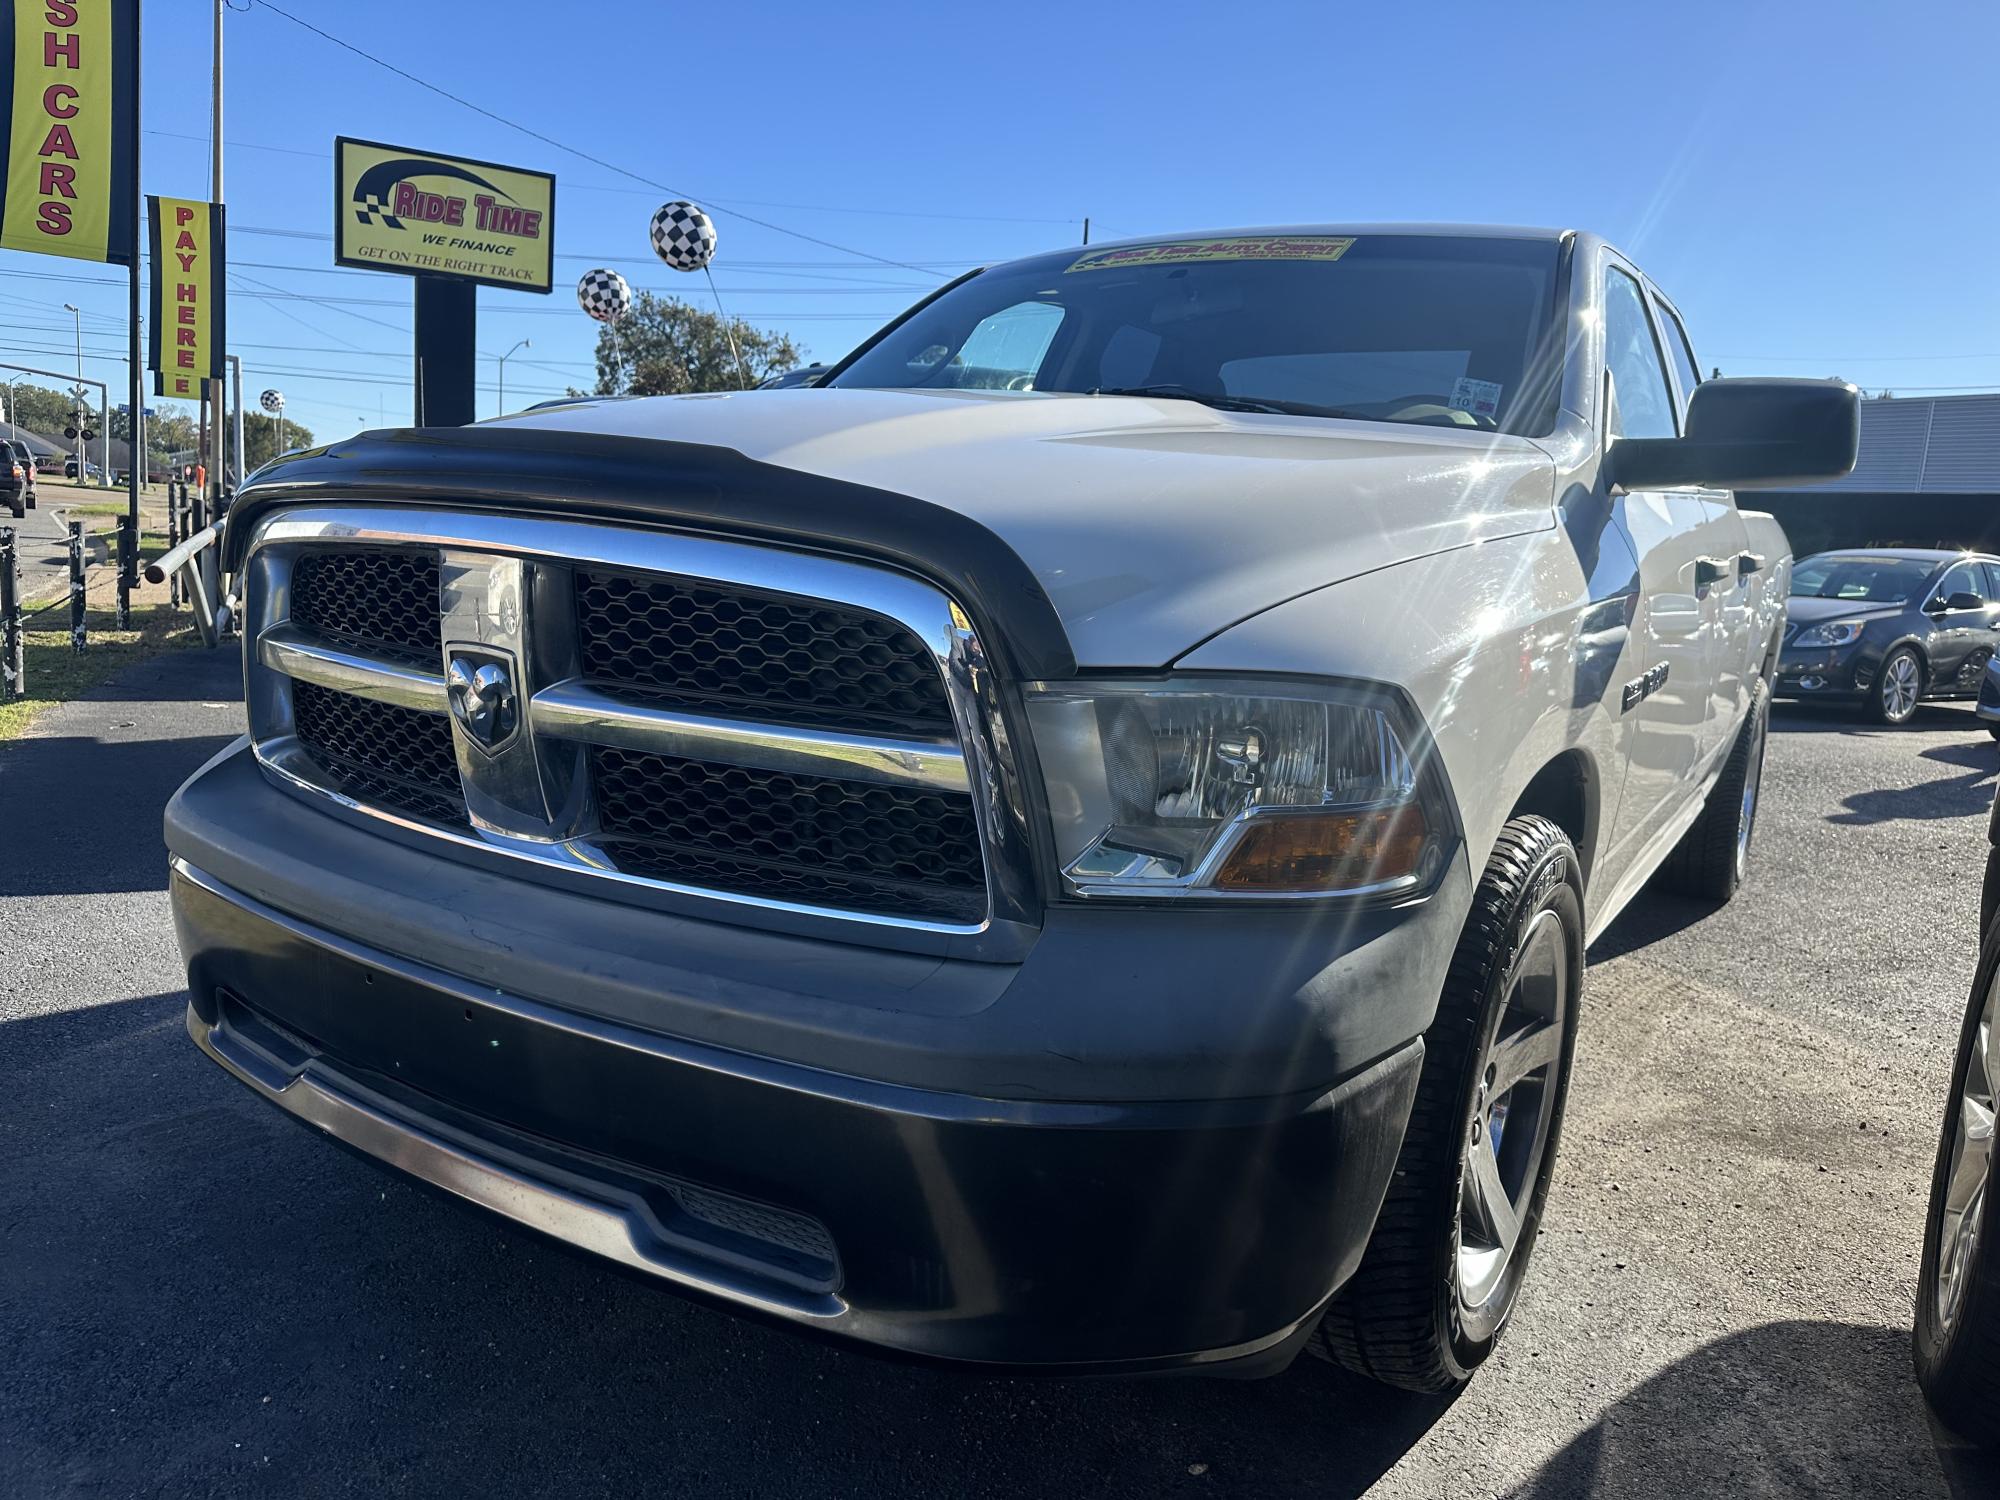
<point x="1867" y="580"/>
<point x="1451" y="331"/>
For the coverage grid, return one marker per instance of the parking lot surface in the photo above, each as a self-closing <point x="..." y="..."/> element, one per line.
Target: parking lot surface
<point x="199" y="1297"/>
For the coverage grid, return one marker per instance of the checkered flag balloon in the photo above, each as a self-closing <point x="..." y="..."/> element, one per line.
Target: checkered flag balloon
<point x="683" y="236"/>
<point x="272" y="401"/>
<point x="604" y="295"/>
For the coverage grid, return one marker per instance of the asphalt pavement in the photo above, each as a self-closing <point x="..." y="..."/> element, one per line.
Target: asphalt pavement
<point x="199" y="1298"/>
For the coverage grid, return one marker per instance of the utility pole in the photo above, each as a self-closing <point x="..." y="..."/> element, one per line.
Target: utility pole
<point x="503" y="375"/>
<point x="1086" y="229"/>
<point x="76" y="396"/>
<point x="214" y="387"/>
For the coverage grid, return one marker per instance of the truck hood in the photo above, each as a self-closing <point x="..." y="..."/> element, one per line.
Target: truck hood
<point x="1152" y="524"/>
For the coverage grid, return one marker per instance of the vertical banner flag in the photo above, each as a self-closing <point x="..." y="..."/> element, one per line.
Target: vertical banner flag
<point x="71" y="75"/>
<point x="185" y="321"/>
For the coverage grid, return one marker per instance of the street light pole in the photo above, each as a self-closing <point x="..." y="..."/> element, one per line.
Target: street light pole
<point x="76" y="396"/>
<point x="503" y="376"/>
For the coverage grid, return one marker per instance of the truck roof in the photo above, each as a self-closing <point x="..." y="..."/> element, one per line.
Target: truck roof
<point x="1443" y="231"/>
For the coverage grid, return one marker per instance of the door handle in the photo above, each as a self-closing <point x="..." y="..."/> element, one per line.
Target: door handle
<point x="1709" y="570"/>
<point x="1748" y="563"/>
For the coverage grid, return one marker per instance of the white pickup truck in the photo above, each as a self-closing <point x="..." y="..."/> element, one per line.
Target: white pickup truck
<point x="1068" y="844"/>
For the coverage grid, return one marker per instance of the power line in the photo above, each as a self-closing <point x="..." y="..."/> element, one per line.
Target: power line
<point x="550" y="140"/>
<point x="602" y="187"/>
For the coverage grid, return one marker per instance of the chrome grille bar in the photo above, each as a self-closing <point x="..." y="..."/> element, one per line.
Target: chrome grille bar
<point x="296" y="656"/>
<point x="573" y="710"/>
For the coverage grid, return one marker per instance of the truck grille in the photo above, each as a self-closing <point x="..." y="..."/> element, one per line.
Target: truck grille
<point x="690" y="713"/>
<point x="748" y="655"/>
<point x="377" y="752"/>
<point x="794" y="838"/>
<point x="377" y="601"/>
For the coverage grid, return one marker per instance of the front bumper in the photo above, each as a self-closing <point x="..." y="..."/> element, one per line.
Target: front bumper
<point x="982" y="1225"/>
<point x="1823" y="672"/>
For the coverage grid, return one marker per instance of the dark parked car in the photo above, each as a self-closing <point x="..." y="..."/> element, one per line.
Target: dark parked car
<point x="786" y="379"/>
<point x="1958" y="1284"/>
<point x="1888" y="627"/>
<point x="24" y="460"/>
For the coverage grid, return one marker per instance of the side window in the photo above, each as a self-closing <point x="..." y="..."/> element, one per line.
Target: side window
<point x="1680" y="352"/>
<point x="1992" y="589"/>
<point x="1966" y="578"/>
<point x="1645" y="405"/>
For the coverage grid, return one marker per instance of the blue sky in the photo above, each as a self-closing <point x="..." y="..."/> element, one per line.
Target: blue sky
<point x="1814" y="183"/>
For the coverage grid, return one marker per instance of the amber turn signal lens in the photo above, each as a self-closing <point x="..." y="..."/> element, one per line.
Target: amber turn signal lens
<point x="1327" y="851"/>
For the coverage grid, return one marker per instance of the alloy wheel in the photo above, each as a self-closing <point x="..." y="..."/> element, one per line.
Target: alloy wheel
<point x="1900" y="682"/>
<point x="1512" y="1115"/>
<point x="1971" y="1173"/>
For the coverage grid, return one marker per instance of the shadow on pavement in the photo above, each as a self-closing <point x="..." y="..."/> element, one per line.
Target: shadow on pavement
<point x="1657" y="914"/>
<point x="80" y="803"/>
<point x="1792" y="717"/>
<point x="218" y="1302"/>
<point x="1967" y="795"/>
<point x="1793" y="1408"/>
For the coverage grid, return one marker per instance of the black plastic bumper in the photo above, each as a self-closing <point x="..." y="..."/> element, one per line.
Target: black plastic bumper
<point x="1057" y="1235"/>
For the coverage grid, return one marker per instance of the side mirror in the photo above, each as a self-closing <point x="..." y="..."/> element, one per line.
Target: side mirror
<point x="1749" y="434"/>
<point x="1957" y="603"/>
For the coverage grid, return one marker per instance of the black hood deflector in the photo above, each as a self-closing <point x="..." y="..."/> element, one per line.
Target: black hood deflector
<point x="692" y="486"/>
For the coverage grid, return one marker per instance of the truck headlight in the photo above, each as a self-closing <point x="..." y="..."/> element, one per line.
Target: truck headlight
<point x="1208" y="787"/>
<point x="1831" y="633"/>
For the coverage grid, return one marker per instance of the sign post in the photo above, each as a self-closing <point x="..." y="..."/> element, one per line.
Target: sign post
<point x="70" y="139"/>
<point x="454" y="224"/>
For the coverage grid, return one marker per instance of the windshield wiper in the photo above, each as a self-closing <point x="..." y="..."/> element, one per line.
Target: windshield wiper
<point x="1268" y="404"/>
<point x="1188" y="393"/>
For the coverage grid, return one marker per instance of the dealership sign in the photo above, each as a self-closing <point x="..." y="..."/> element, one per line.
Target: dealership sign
<point x="186" y="322"/>
<point x="70" y="147"/>
<point x="421" y="214"/>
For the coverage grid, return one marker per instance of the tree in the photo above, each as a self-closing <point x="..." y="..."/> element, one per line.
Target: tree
<point x="42" y="410"/>
<point x="665" y="347"/>
<point x="260" y="437"/>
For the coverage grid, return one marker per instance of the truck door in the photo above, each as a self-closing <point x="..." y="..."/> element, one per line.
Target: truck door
<point x="1668" y="531"/>
<point x="1727" y="582"/>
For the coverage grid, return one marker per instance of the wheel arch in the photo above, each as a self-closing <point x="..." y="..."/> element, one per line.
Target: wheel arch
<point x="1916" y="644"/>
<point x="1568" y="791"/>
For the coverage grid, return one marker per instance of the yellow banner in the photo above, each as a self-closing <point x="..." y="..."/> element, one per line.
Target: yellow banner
<point x="69" y="153"/>
<point x="188" y="336"/>
<point x="1186" y="252"/>
<point x="395" y="209"/>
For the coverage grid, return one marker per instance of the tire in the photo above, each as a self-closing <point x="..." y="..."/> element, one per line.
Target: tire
<point x="1713" y="856"/>
<point x="19" y="507"/>
<point x="1957" y="1341"/>
<point x="1429" y="1301"/>
<point x="1898" y="707"/>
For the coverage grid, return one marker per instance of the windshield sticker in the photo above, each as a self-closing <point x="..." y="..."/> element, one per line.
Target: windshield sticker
<point x="1187" y="252"/>
<point x="1480" y="397"/>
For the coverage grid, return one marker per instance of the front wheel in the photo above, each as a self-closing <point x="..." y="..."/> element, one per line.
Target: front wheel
<point x="1441" y="1273"/>
<point x="1958" y="1283"/>
<point x="1897" y="688"/>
